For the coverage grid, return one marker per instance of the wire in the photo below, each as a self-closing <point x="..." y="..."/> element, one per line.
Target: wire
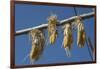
<point x="75" y="11"/>
<point x="89" y="49"/>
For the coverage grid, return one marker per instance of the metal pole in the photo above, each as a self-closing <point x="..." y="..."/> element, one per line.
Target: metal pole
<point x="25" y="31"/>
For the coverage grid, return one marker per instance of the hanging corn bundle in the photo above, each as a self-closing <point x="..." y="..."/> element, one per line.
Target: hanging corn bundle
<point x="38" y="41"/>
<point x="68" y="39"/>
<point x="81" y="36"/>
<point x="52" y="30"/>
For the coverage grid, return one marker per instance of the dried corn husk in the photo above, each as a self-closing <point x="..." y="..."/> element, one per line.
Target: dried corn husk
<point x="38" y="41"/>
<point x="81" y="36"/>
<point x="68" y="38"/>
<point x="52" y="29"/>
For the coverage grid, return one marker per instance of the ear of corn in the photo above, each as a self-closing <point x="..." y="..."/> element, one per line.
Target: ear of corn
<point x="38" y="42"/>
<point x="81" y="36"/>
<point x="68" y="38"/>
<point x="52" y="30"/>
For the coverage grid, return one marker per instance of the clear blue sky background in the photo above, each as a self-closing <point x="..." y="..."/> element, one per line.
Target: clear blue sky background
<point x="32" y="15"/>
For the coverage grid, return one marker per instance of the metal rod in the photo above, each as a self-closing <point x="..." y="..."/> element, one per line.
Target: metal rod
<point x="75" y="11"/>
<point x="91" y="47"/>
<point x="25" y="31"/>
<point x="90" y="44"/>
<point x="91" y="56"/>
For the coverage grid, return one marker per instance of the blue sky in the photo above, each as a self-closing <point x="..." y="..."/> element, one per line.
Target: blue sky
<point x="32" y="15"/>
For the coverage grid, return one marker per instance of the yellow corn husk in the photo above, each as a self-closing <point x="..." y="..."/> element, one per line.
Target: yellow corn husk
<point x="53" y="38"/>
<point x="52" y="31"/>
<point x="38" y="42"/>
<point x="68" y="38"/>
<point x="81" y="36"/>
